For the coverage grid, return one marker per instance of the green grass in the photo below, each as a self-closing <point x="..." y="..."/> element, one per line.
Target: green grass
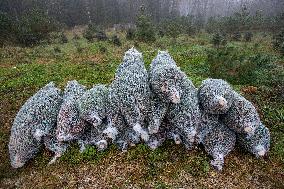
<point x="25" y="70"/>
<point x="199" y="167"/>
<point x="161" y="185"/>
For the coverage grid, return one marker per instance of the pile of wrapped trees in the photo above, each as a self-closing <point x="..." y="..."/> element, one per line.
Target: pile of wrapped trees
<point x="139" y="106"/>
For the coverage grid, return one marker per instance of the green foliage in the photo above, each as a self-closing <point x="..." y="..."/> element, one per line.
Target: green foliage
<point x="145" y="28"/>
<point x="34" y="27"/>
<point x="236" y="36"/>
<point x="158" y="155"/>
<point x="103" y="49"/>
<point x="88" y="35"/>
<point x="79" y="48"/>
<point x="130" y="34"/>
<point x="63" y="38"/>
<point x="154" y="158"/>
<point x="91" y="154"/>
<point x="72" y="156"/>
<point x="277" y="147"/>
<point x="7" y="28"/>
<point x="115" y="40"/>
<point x="101" y="36"/>
<point x="161" y="32"/>
<point x="230" y="24"/>
<point x="213" y="25"/>
<point x="161" y="185"/>
<point x="248" y="36"/>
<point x="57" y="49"/>
<point x="89" y="32"/>
<point x="171" y="28"/>
<point x="218" y="40"/>
<point x="175" y="26"/>
<point x="76" y="36"/>
<point x="188" y="26"/>
<point x="139" y="151"/>
<point x="235" y="66"/>
<point x="274" y="115"/>
<point x="278" y="42"/>
<point x="282" y="48"/>
<point x="242" y="20"/>
<point x="199" y="166"/>
<point x="155" y="162"/>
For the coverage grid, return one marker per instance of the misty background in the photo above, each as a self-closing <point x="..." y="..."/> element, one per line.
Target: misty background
<point x="109" y="12"/>
<point x="29" y="22"/>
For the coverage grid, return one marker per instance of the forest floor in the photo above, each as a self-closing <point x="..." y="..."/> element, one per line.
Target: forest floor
<point x="23" y="71"/>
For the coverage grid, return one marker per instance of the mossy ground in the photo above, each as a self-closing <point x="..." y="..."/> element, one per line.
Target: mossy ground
<point x="25" y="70"/>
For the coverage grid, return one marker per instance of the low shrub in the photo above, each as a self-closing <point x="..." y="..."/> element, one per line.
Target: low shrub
<point x="57" y="49"/>
<point x="115" y="40"/>
<point x="101" y="36"/>
<point x="130" y="34"/>
<point x="278" y="42"/>
<point x="161" y="32"/>
<point x="218" y="40"/>
<point x="236" y="36"/>
<point x="76" y="36"/>
<point x="78" y="47"/>
<point x="89" y="32"/>
<point x="103" y="49"/>
<point x="248" y="36"/>
<point x="63" y="38"/>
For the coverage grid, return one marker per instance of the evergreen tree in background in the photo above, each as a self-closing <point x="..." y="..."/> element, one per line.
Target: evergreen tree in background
<point x="216" y="40"/>
<point x="145" y="29"/>
<point x="89" y="32"/>
<point x="34" y="27"/>
<point x="7" y="28"/>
